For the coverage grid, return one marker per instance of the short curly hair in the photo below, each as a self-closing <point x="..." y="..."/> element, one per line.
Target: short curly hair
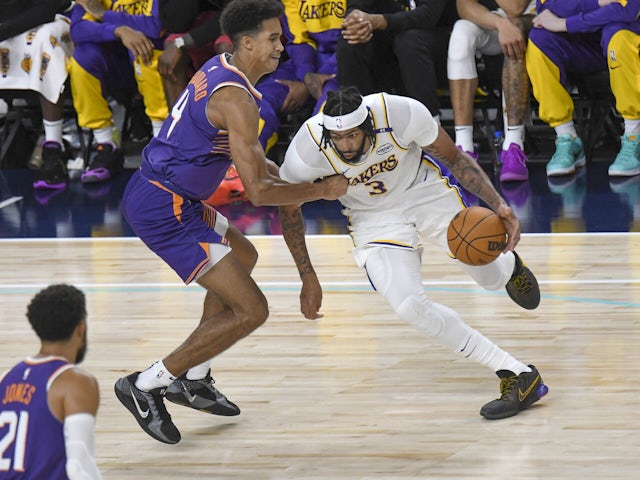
<point x="56" y="311"/>
<point x="245" y="17"/>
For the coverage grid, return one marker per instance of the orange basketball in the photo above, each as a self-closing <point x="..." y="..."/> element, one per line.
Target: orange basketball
<point x="476" y="236"/>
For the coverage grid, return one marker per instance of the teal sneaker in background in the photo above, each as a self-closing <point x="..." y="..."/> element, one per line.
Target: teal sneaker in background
<point x="627" y="162"/>
<point x="568" y="156"/>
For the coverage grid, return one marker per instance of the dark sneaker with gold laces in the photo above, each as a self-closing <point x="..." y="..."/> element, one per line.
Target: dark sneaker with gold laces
<point x="201" y="395"/>
<point x="523" y="287"/>
<point x="517" y="392"/>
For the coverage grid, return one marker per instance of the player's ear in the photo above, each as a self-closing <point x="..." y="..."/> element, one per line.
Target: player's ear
<point x="247" y="41"/>
<point x="81" y="330"/>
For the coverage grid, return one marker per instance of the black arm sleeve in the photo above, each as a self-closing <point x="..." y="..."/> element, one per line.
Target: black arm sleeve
<point x="38" y="13"/>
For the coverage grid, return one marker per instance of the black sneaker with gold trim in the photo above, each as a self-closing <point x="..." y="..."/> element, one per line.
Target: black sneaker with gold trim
<point x="517" y="392"/>
<point x="523" y="287"/>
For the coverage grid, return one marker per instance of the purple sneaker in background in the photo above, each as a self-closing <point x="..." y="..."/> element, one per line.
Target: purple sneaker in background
<point x="514" y="164"/>
<point x="473" y="155"/>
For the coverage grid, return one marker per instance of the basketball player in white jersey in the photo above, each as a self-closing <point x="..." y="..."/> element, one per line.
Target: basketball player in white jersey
<point x="398" y="196"/>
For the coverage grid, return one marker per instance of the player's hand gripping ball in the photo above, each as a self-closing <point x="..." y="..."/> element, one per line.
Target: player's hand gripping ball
<point x="476" y="236"/>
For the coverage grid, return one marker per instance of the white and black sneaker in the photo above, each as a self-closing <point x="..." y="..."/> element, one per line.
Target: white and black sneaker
<point x="201" y="395"/>
<point x="147" y="408"/>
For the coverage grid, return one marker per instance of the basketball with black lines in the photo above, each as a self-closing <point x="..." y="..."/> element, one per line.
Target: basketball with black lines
<point x="476" y="236"/>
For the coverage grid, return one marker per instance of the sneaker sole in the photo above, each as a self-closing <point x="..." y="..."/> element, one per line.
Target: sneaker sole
<point x="513" y="177"/>
<point x="626" y="173"/>
<point x="179" y="399"/>
<point x="124" y="400"/>
<point x="556" y="172"/>
<point x="42" y="185"/>
<point x="93" y="178"/>
<point x="541" y="391"/>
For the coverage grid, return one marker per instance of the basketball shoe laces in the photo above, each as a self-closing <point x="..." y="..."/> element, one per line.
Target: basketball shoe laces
<point x="521" y="281"/>
<point x="158" y="409"/>
<point x="506" y="387"/>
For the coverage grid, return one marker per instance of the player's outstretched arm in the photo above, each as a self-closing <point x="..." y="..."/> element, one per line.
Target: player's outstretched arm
<point x="292" y="223"/>
<point x="233" y="109"/>
<point x="475" y="180"/>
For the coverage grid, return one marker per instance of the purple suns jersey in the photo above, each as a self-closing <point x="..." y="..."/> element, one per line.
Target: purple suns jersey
<point x="31" y="438"/>
<point x="190" y="156"/>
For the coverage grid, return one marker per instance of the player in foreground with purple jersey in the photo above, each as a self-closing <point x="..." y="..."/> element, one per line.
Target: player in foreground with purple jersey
<point x="214" y="121"/>
<point x="47" y="404"/>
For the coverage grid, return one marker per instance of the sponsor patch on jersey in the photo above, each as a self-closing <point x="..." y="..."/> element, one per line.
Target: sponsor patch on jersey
<point x="384" y="149"/>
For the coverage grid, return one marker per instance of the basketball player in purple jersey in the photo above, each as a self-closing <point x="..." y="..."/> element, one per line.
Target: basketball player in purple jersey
<point x="48" y="405"/>
<point x="214" y="121"/>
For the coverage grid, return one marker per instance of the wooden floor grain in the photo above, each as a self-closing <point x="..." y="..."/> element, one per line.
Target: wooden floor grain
<point x="359" y="394"/>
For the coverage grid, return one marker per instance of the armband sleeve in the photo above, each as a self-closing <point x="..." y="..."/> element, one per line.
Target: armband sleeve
<point x="80" y="447"/>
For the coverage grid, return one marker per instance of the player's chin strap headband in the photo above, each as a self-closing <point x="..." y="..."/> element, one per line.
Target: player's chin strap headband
<point x="347" y="121"/>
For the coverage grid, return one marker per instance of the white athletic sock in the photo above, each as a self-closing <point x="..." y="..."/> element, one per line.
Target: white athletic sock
<point x="396" y="275"/>
<point x="566" y="129"/>
<point x="445" y="325"/>
<point x="155" y="376"/>
<point x="156" y="125"/>
<point x="515" y="134"/>
<point x="53" y="131"/>
<point x="631" y="127"/>
<point x="464" y="137"/>
<point x="199" y="371"/>
<point x="105" y="135"/>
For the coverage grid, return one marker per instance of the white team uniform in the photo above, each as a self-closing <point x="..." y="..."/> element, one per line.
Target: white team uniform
<point x="398" y="194"/>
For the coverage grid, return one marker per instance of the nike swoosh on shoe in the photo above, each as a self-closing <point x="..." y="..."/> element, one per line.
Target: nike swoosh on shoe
<point x="143" y="414"/>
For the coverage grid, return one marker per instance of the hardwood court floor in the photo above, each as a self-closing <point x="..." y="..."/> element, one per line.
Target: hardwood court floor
<point x="359" y="394"/>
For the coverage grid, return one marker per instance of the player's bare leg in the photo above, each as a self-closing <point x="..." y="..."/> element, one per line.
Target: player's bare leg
<point x="195" y="388"/>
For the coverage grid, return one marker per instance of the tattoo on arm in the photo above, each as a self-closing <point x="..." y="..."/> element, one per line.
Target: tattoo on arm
<point x="470" y="175"/>
<point x="293" y="232"/>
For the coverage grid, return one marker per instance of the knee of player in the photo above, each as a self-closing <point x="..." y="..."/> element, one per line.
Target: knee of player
<point x="251" y="257"/>
<point x="421" y="312"/>
<point x="253" y="314"/>
<point x="617" y="39"/>
<point x="524" y="23"/>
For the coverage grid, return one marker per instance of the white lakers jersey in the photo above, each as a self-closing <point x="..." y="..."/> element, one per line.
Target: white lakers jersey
<point x="390" y="166"/>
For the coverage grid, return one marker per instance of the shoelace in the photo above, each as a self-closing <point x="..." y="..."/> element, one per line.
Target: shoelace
<point x="206" y="382"/>
<point x="157" y="406"/>
<point x="633" y="148"/>
<point x="565" y="147"/>
<point x="522" y="283"/>
<point x="506" y="386"/>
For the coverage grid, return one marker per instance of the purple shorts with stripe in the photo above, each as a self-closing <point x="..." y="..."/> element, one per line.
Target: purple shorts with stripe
<point x="177" y="229"/>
